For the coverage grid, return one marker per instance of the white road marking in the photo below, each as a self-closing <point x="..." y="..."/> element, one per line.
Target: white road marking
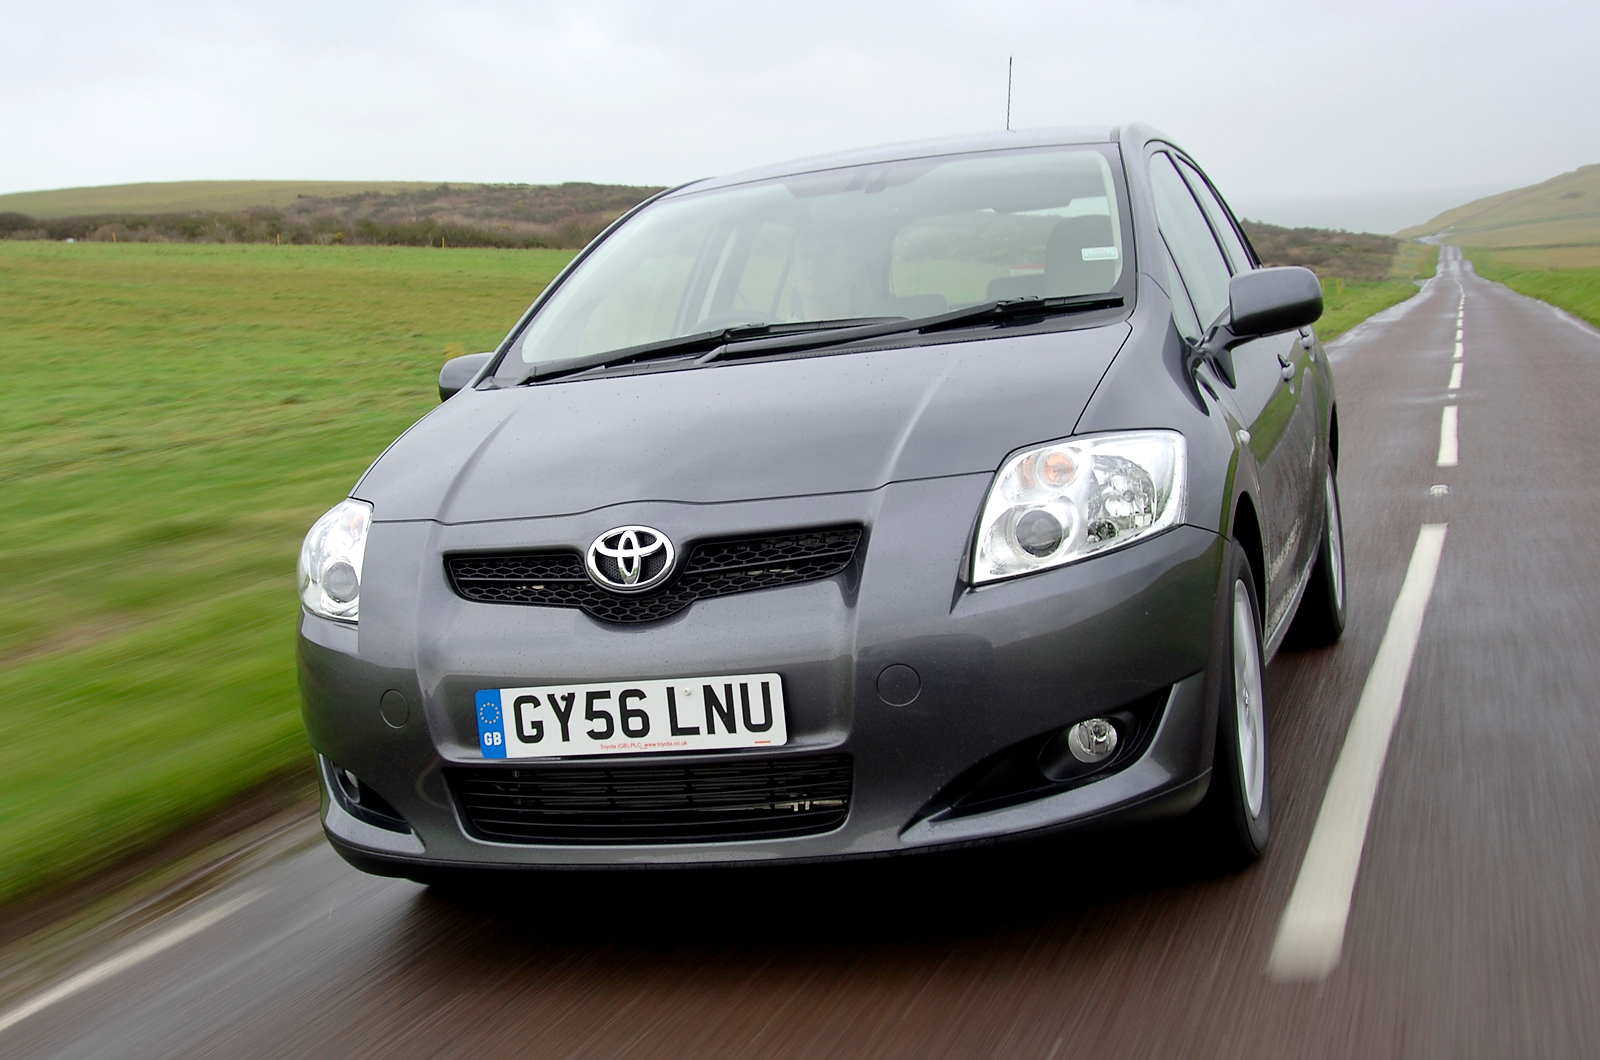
<point x="1311" y="933"/>
<point x="1447" y="437"/>
<point x="1455" y="376"/>
<point x="1460" y="349"/>
<point x="126" y="959"/>
<point x="1458" y="334"/>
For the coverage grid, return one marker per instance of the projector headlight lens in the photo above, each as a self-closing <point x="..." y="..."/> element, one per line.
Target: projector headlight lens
<point x="1066" y="501"/>
<point x="330" y="561"/>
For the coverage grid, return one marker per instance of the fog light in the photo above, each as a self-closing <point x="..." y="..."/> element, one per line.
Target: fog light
<point x="359" y="800"/>
<point x="1092" y="742"/>
<point x="1084" y="748"/>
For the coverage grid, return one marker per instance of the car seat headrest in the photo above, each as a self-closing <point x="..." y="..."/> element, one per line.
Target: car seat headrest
<point x="1081" y="257"/>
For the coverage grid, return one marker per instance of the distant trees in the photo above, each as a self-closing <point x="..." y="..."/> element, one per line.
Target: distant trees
<point x="469" y="215"/>
<point x="1327" y="252"/>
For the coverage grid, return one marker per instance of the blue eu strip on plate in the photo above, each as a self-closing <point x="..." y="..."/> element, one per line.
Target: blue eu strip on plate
<point x="491" y="727"/>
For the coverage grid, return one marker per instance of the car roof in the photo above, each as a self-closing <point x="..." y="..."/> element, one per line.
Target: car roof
<point x="953" y="145"/>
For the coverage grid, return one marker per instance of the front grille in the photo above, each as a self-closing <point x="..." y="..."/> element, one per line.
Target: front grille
<point x="639" y="803"/>
<point x="713" y="568"/>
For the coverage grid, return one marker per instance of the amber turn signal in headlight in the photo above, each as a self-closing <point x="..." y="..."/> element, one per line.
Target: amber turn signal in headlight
<point x="1073" y="499"/>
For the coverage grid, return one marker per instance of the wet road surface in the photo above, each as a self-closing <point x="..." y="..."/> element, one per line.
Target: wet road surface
<point x="1473" y="926"/>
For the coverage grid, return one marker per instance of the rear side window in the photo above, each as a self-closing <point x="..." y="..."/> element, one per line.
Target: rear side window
<point x="1221" y="221"/>
<point x="1200" y="263"/>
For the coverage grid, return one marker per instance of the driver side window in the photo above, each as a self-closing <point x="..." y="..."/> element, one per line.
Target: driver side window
<point x="1200" y="265"/>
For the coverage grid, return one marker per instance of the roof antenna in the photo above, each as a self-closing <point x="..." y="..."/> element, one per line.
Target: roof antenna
<point x="1009" y="60"/>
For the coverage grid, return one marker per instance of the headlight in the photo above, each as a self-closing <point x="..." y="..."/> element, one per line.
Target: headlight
<point x="1072" y="499"/>
<point x="330" y="561"/>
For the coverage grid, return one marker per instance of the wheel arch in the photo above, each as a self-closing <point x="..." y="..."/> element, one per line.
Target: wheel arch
<point x="1245" y="529"/>
<point x="1333" y="438"/>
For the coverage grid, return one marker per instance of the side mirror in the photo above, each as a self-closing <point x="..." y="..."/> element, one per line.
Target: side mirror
<point x="1269" y="301"/>
<point x="459" y="371"/>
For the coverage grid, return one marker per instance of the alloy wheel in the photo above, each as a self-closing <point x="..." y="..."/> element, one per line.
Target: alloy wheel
<point x="1247" y="701"/>
<point x="1335" y="544"/>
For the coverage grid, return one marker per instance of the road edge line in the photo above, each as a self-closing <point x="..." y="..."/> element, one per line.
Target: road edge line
<point x="1311" y="933"/>
<point x="136" y="954"/>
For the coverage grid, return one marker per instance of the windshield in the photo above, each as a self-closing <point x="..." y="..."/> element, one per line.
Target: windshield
<point x="900" y="239"/>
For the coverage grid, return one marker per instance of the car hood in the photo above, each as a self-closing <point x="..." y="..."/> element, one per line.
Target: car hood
<point x="740" y="431"/>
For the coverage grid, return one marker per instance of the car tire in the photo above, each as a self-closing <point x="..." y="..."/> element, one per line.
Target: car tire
<point x="1319" y="621"/>
<point x="1236" y="814"/>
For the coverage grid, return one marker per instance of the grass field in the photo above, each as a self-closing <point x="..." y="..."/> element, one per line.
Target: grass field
<point x="1565" y="276"/>
<point x="187" y="195"/>
<point x="176" y="417"/>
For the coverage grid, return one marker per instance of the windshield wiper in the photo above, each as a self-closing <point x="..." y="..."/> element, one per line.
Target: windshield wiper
<point x="684" y="345"/>
<point x="1011" y="308"/>
<point x="753" y="340"/>
<point x="997" y="312"/>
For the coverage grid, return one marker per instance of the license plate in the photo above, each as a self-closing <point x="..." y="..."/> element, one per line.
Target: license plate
<point x="632" y="717"/>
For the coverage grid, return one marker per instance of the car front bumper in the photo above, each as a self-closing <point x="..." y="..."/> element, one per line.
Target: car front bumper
<point x="394" y="702"/>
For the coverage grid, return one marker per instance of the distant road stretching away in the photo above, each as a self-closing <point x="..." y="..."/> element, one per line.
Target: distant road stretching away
<point x="1449" y="905"/>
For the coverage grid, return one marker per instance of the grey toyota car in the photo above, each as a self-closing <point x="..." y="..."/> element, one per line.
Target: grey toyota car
<point x="901" y="500"/>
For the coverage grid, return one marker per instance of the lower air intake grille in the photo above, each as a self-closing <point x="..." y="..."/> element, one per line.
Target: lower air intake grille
<point x="656" y="803"/>
<point x="713" y="568"/>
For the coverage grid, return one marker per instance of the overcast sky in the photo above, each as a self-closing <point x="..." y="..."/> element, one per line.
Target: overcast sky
<point x="1365" y="114"/>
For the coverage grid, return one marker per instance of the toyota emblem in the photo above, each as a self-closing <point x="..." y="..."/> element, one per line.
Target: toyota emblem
<point x="630" y="559"/>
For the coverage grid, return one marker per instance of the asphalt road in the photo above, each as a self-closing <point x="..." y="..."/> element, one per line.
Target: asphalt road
<point x="1473" y="926"/>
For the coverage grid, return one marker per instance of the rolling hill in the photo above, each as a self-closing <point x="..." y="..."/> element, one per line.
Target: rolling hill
<point x="186" y="196"/>
<point x="1563" y="211"/>
<point x="403" y="214"/>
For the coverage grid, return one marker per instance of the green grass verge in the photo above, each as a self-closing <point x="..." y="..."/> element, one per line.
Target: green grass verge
<point x="1556" y="275"/>
<point x="1343" y="310"/>
<point x="175" y="417"/>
